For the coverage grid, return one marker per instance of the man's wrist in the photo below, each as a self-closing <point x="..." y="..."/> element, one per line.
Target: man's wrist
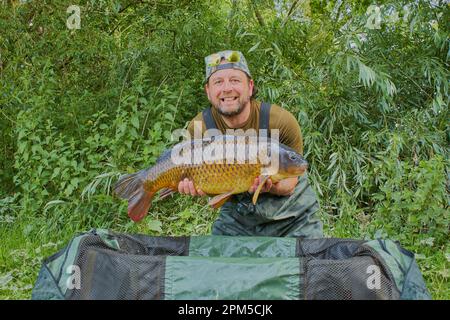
<point x="275" y="190"/>
<point x="279" y="190"/>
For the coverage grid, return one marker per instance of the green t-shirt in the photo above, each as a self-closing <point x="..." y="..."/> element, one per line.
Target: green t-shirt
<point x="281" y="119"/>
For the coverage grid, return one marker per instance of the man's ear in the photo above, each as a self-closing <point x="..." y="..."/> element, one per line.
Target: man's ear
<point x="251" y="85"/>
<point x="207" y="90"/>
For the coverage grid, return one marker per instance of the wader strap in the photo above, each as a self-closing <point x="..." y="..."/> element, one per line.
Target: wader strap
<point x="208" y="119"/>
<point x="264" y="117"/>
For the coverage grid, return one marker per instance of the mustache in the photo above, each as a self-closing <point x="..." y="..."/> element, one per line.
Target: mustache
<point x="231" y="113"/>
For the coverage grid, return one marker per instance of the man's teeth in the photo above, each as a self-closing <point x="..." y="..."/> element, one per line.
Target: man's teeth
<point x="229" y="99"/>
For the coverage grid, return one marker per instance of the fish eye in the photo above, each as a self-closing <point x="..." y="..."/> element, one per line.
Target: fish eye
<point x="292" y="156"/>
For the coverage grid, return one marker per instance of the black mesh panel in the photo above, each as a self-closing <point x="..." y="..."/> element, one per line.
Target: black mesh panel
<point x="111" y="275"/>
<point x="132" y="272"/>
<point x="327" y="248"/>
<point x="354" y="273"/>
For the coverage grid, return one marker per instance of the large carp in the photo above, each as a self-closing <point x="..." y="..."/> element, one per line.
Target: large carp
<point x="220" y="165"/>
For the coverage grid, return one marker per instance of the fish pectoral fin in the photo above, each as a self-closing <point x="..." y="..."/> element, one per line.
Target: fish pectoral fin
<point x="165" y="193"/>
<point x="258" y="189"/>
<point x="220" y="199"/>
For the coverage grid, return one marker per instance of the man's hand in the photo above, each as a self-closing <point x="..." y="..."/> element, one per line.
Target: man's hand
<point x="265" y="188"/>
<point x="283" y="187"/>
<point x="187" y="187"/>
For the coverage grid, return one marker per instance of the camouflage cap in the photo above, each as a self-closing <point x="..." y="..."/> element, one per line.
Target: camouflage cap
<point x="234" y="60"/>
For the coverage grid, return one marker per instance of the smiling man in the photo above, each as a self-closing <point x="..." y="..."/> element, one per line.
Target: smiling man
<point x="285" y="208"/>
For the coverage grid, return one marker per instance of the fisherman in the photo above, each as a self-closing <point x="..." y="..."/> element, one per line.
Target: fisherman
<point x="286" y="208"/>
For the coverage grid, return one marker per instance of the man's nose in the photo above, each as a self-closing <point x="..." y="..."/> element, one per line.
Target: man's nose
<point x="227" y="86"/>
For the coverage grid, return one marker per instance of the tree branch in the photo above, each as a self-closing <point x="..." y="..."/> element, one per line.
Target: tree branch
<point x="290" y="12"/>
<point x="257" y="14"/>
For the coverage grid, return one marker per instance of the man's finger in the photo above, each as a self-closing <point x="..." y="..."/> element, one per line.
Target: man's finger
<point x="192" y="190"/>
<point x="254" y="186"/>
<point x="186" y="186"/>
<point x="268" y="185"/>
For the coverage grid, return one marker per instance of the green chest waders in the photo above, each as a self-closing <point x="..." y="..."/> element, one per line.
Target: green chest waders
<point x="276" y="216"/>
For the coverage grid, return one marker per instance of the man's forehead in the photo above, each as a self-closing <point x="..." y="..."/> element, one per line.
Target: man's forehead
<point x="228" y="73"/>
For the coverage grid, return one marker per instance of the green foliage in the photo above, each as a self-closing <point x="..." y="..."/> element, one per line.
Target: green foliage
<point x="409" y="201"/>
<point x="80" y="107"/>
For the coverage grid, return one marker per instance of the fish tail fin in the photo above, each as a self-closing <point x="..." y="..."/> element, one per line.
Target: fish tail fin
<point x="131" y="187"/>
<point x="139" y="204"/>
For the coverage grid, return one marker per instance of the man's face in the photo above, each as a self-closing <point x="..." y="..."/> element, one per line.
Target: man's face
<point x="229" y="90"/>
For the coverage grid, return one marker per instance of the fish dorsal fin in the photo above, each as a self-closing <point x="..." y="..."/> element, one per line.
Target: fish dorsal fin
<point x="263" y="180"/>
<point x="220" y="199"/>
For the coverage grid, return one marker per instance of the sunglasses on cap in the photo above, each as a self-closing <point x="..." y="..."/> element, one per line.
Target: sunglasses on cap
<point x="214" y="59"/>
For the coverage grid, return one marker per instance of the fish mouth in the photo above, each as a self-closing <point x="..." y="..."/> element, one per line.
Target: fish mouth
<point x="298" y="170"/>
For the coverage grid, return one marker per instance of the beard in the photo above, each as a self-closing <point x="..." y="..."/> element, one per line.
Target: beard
<point x="227" y="112"/>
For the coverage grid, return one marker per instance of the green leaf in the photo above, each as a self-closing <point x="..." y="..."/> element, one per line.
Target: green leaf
<point x="135" y="121"/>
<point x="254" y="47"/>
<point x="277" y="49"/>
<point x="154" y="225"/>
<point x="168" y="116"/>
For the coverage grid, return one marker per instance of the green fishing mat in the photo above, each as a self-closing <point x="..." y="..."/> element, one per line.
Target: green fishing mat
<point x="101" y="264"/>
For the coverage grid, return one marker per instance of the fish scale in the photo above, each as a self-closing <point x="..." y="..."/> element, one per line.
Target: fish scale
<point x="210" y="178"/>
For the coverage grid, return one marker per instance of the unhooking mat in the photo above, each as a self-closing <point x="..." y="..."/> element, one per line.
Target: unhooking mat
<point x="101" y="264"/>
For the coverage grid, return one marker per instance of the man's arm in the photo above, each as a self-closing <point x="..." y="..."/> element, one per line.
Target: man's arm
<point x="290" y="132"/>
